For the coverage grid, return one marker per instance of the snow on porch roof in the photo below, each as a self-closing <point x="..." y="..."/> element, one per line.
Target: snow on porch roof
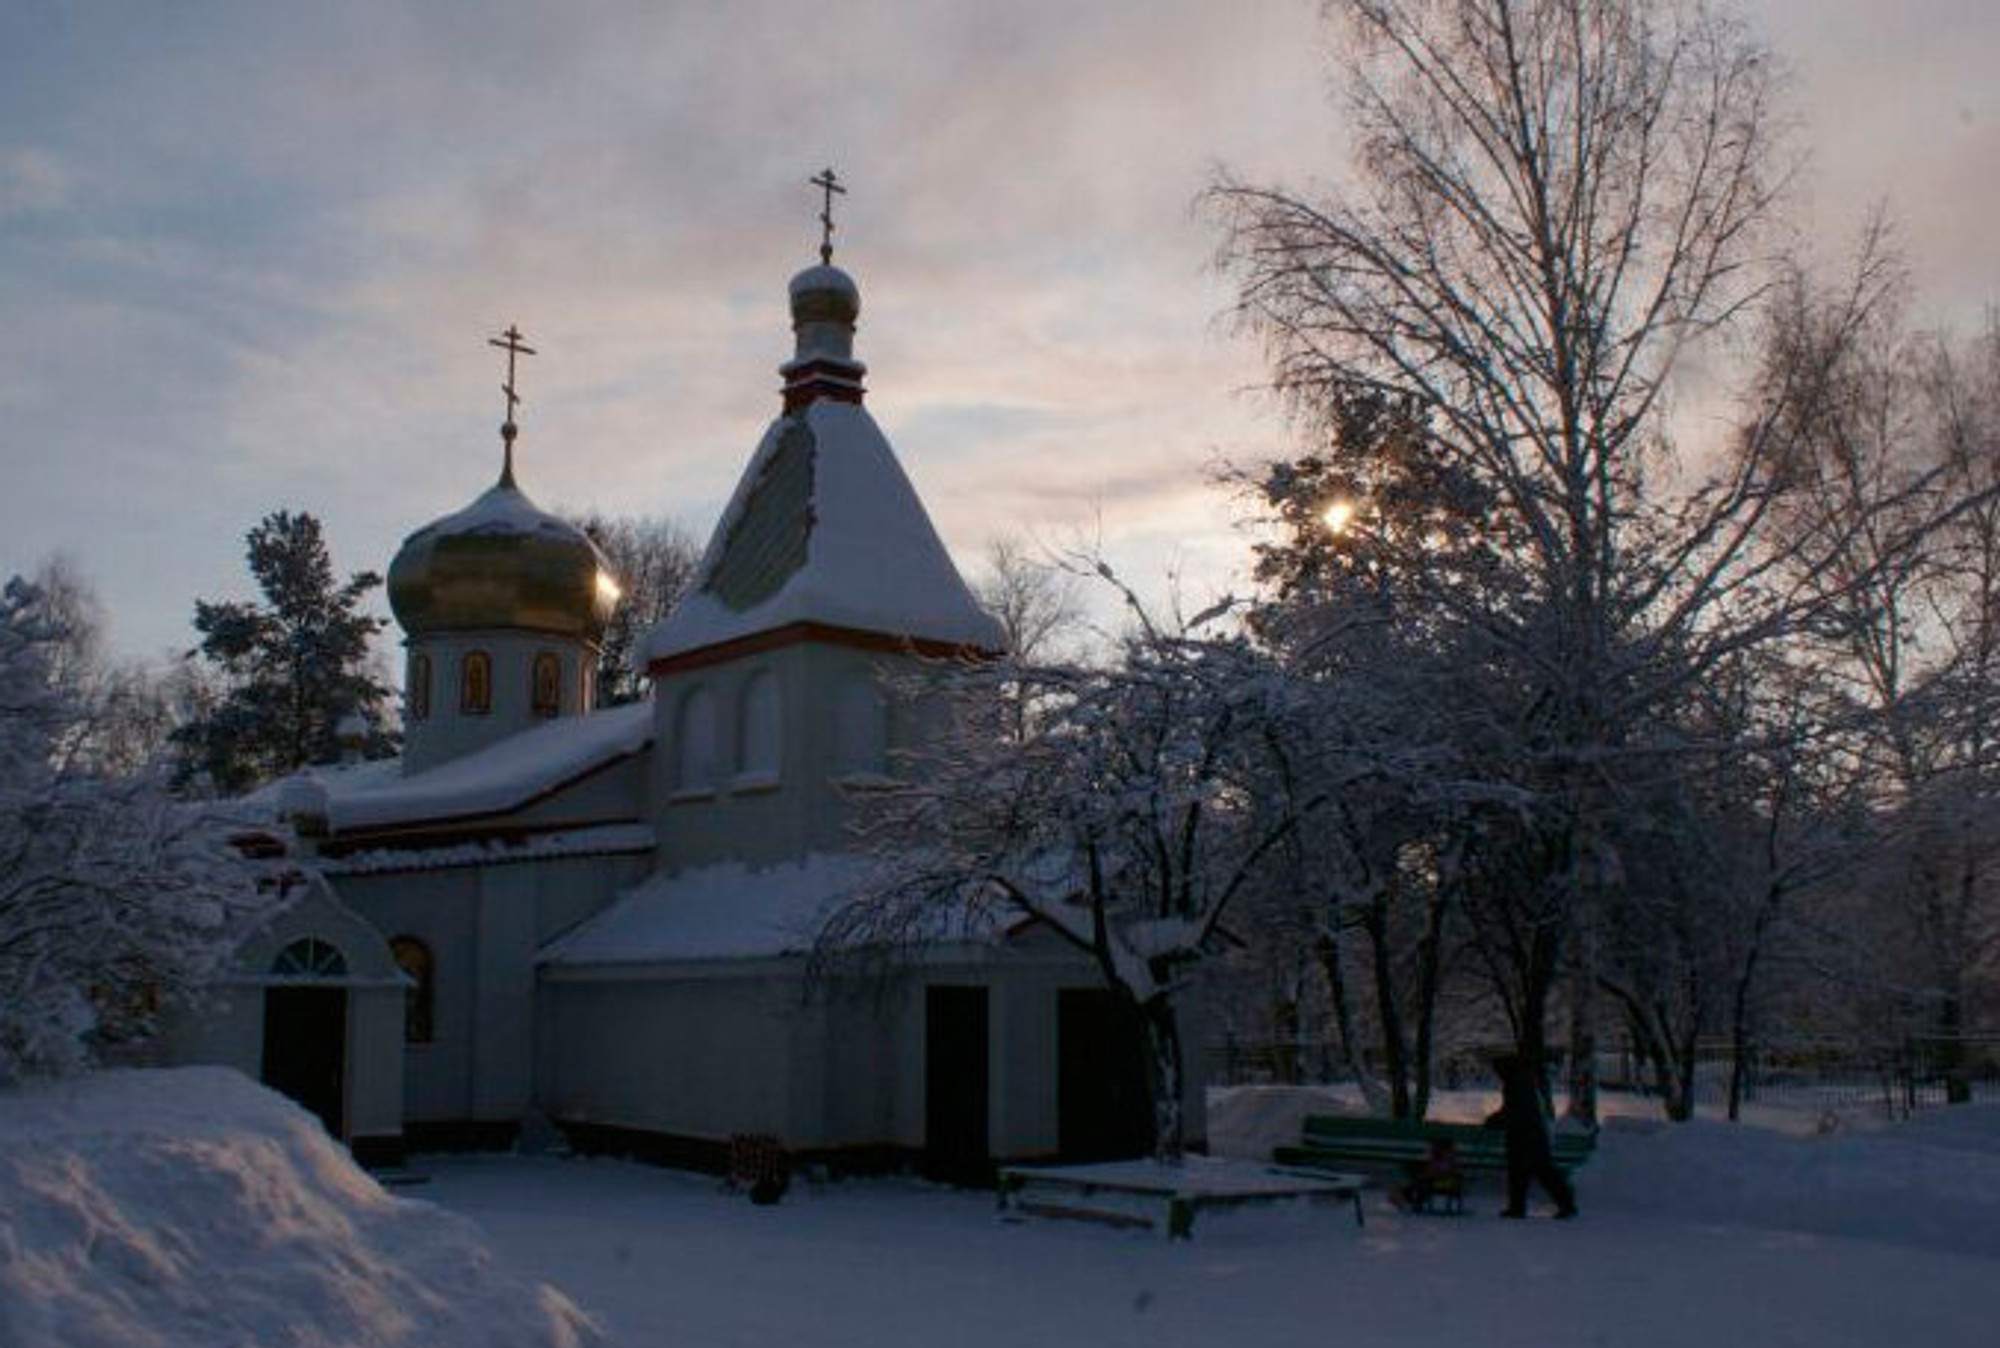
<point x="730" y="911"/>
<point x="495" y="779"/>
<point x="824" y="527"/>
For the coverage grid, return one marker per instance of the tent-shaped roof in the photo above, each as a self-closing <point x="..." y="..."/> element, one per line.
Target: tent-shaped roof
<point x="826" y="528"/>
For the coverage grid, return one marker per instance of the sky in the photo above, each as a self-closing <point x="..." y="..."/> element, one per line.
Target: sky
<point x="250" y="254"/>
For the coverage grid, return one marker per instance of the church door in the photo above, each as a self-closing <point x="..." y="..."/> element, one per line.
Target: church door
<point x="1103" y="1110"/>
<point x="305" y="1049"/>
<point x="955" y="1086"/>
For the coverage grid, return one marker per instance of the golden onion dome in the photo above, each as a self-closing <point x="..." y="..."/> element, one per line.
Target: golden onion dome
<point x="502" y="562"/>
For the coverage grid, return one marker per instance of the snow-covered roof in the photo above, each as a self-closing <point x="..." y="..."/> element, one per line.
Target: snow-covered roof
<point x="727" y="911"/>
<point x="499" y="777"/>
<point x="825" y="527"/>
<point x="599" y="840"/>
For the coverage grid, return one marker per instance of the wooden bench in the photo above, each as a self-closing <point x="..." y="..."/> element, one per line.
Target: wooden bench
<point x="1197" y="1184"/>
<point x="1340" y="1143"/>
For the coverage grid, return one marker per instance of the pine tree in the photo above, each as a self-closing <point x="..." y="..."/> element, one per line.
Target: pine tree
<point x="293" y="667"/>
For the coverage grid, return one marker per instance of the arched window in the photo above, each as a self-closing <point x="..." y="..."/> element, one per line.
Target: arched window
<point x="759" y="729"/>
<point x="696" y="738"/>
<point x="860" y="727"/>
<point x="413" y="957"/>
<point x="545" y="681"/>
<point x="475" y="683"/>
<point x="417" y="687"/>
<point x="310" y="957"/>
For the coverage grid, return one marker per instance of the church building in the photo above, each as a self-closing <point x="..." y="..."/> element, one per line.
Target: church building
<point x="602" y="918"/>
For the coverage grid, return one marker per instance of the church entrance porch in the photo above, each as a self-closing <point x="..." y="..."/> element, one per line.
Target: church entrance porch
<point x="956" y="1086"/>
<point x="305" y="1049"/>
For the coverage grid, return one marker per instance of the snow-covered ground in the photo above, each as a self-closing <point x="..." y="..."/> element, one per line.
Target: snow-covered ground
<point x="1703" y="1234"/>
<point x="194" y="1209"/>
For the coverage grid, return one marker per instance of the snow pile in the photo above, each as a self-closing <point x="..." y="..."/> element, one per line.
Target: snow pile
<point x="873" y="560"/>
<point x="1933" y="1183"/>
<point x="191" y="1207"/>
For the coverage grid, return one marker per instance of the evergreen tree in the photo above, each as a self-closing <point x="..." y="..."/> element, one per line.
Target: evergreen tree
<point x="293" y="668"/>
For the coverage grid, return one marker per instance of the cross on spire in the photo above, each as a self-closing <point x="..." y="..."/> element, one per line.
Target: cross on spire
<point x="829" y="185"/>
<point x="510" y="342"/>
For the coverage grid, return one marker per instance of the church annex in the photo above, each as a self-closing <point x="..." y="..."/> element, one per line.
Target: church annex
<point x="601" y="918"/>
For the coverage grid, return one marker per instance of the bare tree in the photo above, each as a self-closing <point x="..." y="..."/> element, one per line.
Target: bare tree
<point x="1034" y="599"/>
<point x="1551" y="202"/>
<point x="654" y="561"/>
<point x="1112" y="803"/>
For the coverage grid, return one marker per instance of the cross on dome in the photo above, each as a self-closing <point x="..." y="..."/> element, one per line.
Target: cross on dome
<point x="510" y="342"/>
<point x="829" y="185"/>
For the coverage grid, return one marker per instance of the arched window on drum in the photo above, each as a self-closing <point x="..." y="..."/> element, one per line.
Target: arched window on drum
<point x="417" y="688"/>
<point x="545" y="682"/>
<point x="475" y="683"/>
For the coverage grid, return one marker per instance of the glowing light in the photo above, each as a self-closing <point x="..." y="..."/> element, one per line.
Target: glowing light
<point x="1339" y="516"/>
<point x="607" y="588"/>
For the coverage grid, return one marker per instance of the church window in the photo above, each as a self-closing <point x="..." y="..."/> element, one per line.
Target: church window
<point x="418" y="690"/>
<point x="413" y="957"/>
<point x="759" y="730"/>
<point x="860" y="727"/>
<point x="475" y="683"/>
<point x="547" y="683"/>
<point x="696" y="738"/>
<point x="310" y="957"/>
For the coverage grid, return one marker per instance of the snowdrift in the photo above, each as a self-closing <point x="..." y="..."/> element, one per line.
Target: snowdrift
<point x="1929" y="1184"/>
<point x="192" y="1207"/>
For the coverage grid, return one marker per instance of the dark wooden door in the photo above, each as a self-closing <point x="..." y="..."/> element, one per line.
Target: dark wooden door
<point x="956" y="1088"/>
<point x="1103" y="1109"/>
<point x="305" y="1049"/>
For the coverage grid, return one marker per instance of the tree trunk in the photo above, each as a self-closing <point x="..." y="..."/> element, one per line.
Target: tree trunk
<point x="1395" y="1052"/>
<point x="1327" y="949"/>
<point x="1163" y="1076"/>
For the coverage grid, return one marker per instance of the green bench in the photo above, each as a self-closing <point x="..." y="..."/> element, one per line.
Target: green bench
<point x="1339" y="1143"/>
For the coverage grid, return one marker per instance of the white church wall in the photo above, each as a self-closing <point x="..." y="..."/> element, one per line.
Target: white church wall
<point x="698" y="1057"/>
<point x="439" y="908"/>
<point x="725" y="788"/>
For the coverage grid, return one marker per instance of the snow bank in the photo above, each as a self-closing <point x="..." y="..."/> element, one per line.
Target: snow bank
<point x="1929" y="1184"/>
<point x="1932" y="1183"/>
<point x="154" y="1209"/>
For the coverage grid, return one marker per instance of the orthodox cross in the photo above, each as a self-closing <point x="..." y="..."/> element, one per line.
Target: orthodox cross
<point x="510" y="342"/>
<point x="828" y="184"/>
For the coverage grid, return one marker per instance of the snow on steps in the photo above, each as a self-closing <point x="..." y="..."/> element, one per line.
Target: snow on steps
<point x="185" y="1207"/>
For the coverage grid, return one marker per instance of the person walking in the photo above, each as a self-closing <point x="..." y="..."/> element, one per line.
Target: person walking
<point x="1529" y="1159"/>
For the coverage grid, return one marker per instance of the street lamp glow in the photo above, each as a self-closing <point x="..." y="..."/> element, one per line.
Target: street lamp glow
<point x="1338" y="516"/>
